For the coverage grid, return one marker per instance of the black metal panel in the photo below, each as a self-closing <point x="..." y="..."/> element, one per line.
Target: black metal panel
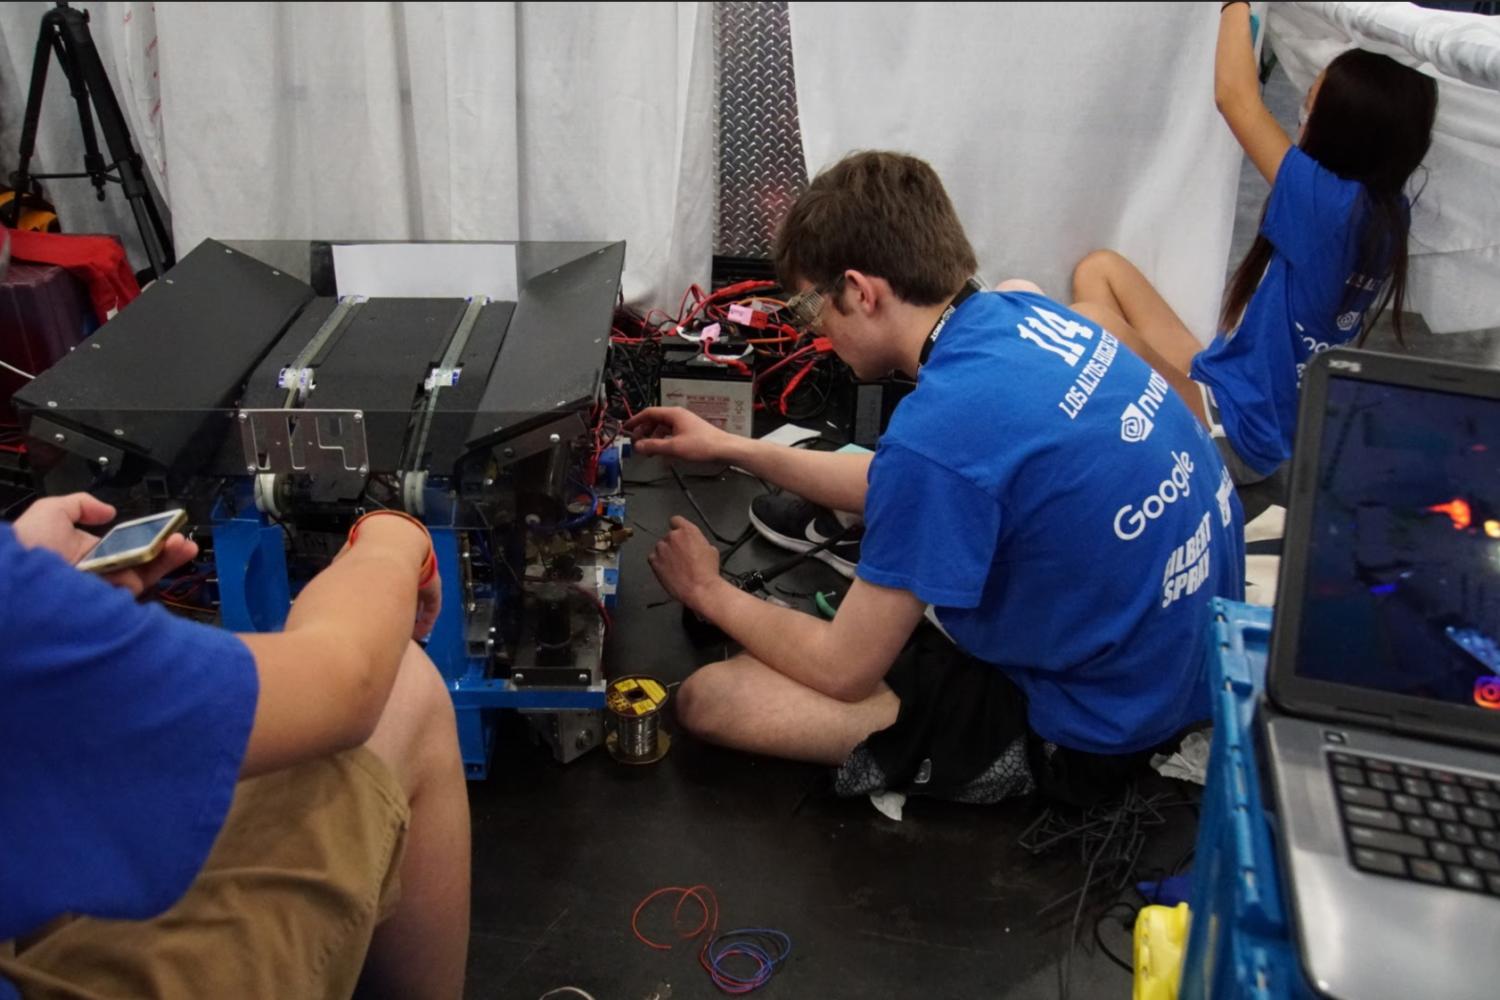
<point x="456" y="405"/>
<point x="152" y="379"/>
<point x="378" y="366"/>
<point x="553" y="357"/>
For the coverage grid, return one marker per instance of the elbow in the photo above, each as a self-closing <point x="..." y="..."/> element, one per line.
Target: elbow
<point x="1232" y="101"/>
<point x="852" y="686"/>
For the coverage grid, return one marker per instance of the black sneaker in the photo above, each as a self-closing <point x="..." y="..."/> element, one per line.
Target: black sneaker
<point x="797" y="524"/>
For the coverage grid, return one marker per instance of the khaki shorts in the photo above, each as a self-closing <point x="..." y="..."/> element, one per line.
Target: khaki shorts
<point x="303" y="870"/>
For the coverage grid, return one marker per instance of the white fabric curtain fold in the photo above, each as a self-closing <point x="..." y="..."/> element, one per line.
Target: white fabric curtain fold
<point x="500" y="121"/>
<point x="1057" y="128"/>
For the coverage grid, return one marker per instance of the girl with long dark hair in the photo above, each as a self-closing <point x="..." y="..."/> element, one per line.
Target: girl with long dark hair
<point x="1330" y="256"/>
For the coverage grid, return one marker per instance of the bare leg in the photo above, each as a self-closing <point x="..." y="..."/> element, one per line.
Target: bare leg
<point x="744" y="704"/>
<point x="1107" y="279"/>
<point x="1131" y="338"/>
<point x="420" y="951"/>
<point x="1019" y="285"/>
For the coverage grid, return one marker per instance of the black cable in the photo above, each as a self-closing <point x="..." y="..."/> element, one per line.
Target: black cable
<point x="1111" y="839"/>
<point x="1065" y="971"/>
<point x="738" y="544"/>
<point x="757" y="579"/>
<point x="282" y="525"/>
<point x="1099" y="937"/>
<point x="701" y="516"/>
<point x="658" y="480"/>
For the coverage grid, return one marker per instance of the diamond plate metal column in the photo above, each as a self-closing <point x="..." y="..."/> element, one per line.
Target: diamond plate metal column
<point x="762" y="168"/>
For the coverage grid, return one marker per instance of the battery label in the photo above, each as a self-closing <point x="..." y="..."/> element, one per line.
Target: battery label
<point x="727" y="404"/>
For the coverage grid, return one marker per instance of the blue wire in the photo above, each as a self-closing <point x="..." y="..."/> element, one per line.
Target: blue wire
<point x="747" y="942"/>
<point x="573" y="524"/>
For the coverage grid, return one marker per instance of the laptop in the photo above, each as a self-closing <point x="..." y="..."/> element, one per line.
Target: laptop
<point x="1382" y="720"/>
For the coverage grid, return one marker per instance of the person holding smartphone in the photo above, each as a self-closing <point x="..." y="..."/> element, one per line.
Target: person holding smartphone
<point x="189" y="812"/>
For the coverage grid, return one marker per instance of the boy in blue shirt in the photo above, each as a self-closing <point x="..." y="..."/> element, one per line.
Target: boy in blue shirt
<point x="1059" y="508"/>
<point x="187" y="812"/>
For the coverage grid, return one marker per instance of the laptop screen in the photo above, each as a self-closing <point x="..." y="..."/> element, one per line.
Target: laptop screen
<point x="1403" y="569"/>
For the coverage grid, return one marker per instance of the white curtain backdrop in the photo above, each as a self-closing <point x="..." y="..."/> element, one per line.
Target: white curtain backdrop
<point x="1454" y="277"/>
<point x="492" y="121"/>
<point x="1057" y="128"/>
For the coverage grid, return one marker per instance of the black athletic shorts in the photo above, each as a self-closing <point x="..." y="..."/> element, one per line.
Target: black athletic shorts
<point x="962" y="734"/>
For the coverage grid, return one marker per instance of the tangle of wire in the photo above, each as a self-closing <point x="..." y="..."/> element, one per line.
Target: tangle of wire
<point x="792" y="371"/>
<point x="1109" y="839"/>
<point x="766" y="948"/>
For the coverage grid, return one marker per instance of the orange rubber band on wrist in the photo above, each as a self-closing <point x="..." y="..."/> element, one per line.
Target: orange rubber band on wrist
<point x="429" y="563"/>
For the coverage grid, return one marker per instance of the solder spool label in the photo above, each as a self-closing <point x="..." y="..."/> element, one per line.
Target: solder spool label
<point x="635" y="696"/>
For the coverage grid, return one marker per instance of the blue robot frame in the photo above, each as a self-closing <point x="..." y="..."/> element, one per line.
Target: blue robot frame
<point x="255" y="595"/>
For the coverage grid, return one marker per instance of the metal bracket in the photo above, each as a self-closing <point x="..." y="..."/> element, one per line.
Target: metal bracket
<point x="443" y="376"/>
<point x="85" y="446"/>
<point x="326" y="446"/>
<point x="296" y="381"/>
<point x="297" y="391"/>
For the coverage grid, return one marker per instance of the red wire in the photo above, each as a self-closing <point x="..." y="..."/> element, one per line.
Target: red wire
<point x="726" y="983"/>
<point x="710" y="916"/>
<point x="624" y="397"/>
<point x="657" y="327"/>
<point x="800" y="352"/>
<point x="609" y="622"/>
<point x="696" y="294"/>
<point x="734" y="363"/>
<point x="727" y="292"/>
<point x="795" y="381"/>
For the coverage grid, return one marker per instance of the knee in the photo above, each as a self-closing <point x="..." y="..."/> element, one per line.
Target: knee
<point x="421" y="695"/>
<point x="1019" y="285"/>
<point x="1095" y="265"/>
<point x="705" y="701"/>
<point x="417" y="735"/>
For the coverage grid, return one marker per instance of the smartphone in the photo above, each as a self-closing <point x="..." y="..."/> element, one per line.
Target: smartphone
<point x="132" y="543"/>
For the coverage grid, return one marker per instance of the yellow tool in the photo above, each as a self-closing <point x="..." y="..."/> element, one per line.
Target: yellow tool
<point x="1160" y="939"/>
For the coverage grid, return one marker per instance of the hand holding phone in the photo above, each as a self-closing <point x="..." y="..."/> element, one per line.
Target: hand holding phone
<point x="57" y="525"/>
<point x="133" y="543"/>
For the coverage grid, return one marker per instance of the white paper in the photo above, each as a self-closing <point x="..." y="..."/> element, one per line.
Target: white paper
<point x="426" y="270"/>
<point x="789" y="434"/>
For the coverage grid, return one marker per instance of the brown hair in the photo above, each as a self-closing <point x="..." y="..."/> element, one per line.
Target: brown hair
<point x="885" y="214"/>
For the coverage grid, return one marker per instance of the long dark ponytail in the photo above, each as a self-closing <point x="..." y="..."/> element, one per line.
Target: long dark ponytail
<point x="1372" y="123"/>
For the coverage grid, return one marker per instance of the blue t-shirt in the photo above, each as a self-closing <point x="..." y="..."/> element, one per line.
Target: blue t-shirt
<point x="1313" y="222"/>
<point x="1067" y="516"/>
<point x="122" y="731"/>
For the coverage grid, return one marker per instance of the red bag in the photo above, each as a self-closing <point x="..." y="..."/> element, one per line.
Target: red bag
<point x="98" y="261"/>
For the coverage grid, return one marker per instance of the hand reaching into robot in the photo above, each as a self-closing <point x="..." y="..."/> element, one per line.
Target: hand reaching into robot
<point x="673" y="432"/>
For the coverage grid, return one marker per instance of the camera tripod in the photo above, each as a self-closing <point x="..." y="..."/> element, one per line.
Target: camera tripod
<point x="65" y="33"/>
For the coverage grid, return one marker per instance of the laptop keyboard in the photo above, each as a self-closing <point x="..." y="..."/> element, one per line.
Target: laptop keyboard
<point x="1418" y="823"/>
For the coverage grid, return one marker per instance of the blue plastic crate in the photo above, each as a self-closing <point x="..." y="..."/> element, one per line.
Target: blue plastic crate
<point x="1240" y="941"/>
